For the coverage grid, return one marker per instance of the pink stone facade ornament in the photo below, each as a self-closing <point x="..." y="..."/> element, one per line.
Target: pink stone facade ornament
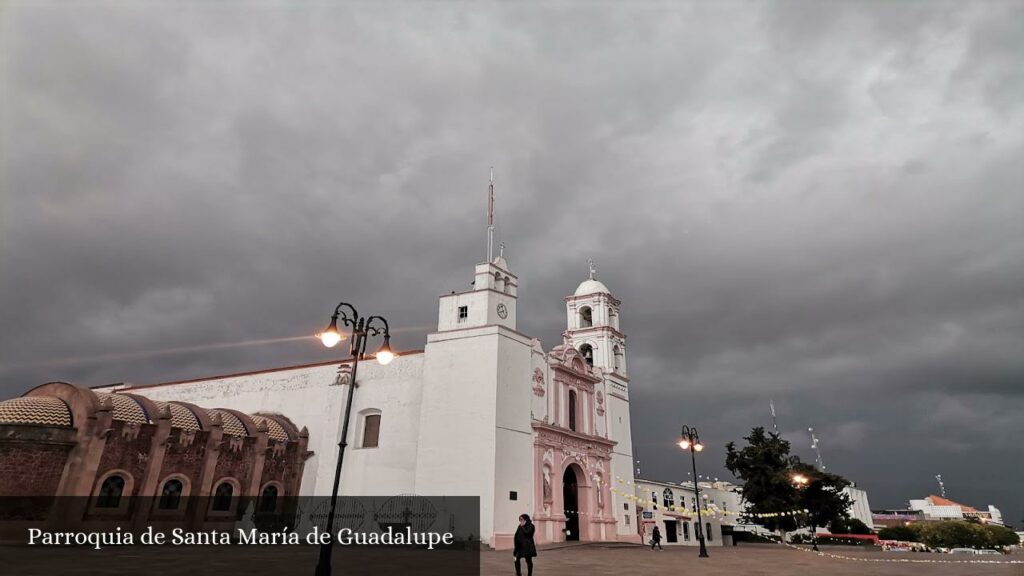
<point x="538" y="382"/>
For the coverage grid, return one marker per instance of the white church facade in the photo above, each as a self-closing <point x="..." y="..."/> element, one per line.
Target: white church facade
<point x="483" y="410"/>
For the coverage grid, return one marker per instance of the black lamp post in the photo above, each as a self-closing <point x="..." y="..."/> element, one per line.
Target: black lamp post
<point x="691" y="441"/>
<point x="802" y="482"/>
<point x="362" y="329"/>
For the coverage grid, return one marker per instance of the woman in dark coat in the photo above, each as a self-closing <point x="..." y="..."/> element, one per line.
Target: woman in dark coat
<point x="656" y="539"/>
<point x="525" y="548"/>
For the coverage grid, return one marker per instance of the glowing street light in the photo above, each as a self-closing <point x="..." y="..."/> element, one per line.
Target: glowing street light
<point x="690" y="440"/>
<point x="362" y="329"/>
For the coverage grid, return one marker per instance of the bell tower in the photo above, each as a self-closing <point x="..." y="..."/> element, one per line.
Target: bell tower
<point x="592" y="327"/>
<point x="592" y="320"/>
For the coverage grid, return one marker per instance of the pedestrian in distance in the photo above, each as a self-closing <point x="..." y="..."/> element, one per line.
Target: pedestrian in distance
<point x="656" y="539"/>
<point x="525" y="548"/>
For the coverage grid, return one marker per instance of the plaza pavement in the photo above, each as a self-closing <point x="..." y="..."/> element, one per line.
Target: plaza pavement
<point x="579" y="560"/>
<point x="742" y="560"/>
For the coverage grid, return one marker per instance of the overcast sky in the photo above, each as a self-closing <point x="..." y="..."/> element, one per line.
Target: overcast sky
<point x="816" y="203"/>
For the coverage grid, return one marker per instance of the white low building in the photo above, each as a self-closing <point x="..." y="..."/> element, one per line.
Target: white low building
<point x="673" y="509"/>
<point x="483" y="410"/>
<point x="938" y="508"/>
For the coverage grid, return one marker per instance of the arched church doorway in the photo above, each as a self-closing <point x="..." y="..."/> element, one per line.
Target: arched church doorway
<point x="570" y="496"/>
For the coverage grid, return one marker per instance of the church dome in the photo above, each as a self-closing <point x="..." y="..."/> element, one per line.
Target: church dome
<point x="591" y="286"/>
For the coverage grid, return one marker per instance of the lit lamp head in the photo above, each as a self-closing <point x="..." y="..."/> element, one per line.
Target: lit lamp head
<point x="697" y="446"/>
<point x="384" y="354"/>
<point x="331" y="336"/>
<point x="684" y="444"/>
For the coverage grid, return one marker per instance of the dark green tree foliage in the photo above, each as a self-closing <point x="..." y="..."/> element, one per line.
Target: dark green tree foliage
<point x="839" y="526"/>
<point x="766" y="469"/>
<point x="763" y="466"/>
<point x="954" y="534"/>
<point x="904" y="533"/>
<point x="1001" y="536"/>
<point x="823" y="496"/>
<point x="858" y="527"/>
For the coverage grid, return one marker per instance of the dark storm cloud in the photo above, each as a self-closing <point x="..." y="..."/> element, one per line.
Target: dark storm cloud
<point x="813" y="203"/>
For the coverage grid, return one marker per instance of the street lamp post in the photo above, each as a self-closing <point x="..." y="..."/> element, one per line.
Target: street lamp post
<point x="802" y="482"/>
<point x="362" y="329"/>
<point x="691" y="441"/>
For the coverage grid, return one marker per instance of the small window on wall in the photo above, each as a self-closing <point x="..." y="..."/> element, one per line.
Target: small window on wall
<point x="625" y="506"/>
<point x="268" y="499"/>
<point x="371" y="430"/>
<point x="110" y="492"/>
<point x="686" y="530"/>
<point x="708" y="532"/>
<point x="170" y="496"/>
<point x="463" y="313"/>
<point x="222" y="497"/>
<point x="513" y="495"/>
<point x="627" y="519"/>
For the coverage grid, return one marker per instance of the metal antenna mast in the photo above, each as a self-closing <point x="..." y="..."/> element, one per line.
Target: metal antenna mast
<point x="775" y="423"/>
<point x="817" y="451"/>
<point x="490" y="218"/>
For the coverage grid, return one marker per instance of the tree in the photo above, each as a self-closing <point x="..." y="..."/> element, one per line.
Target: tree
<point x="773" y="498"/>
<point x="856" y="526"/>
<point x="954" y="534"/>
<point x="763" y="465"/>
<point x="822" y="496"/>
<point x="903" y="533"/>
<point x="839" y="526"/>
<point x="848" y="526"/>
<point x="1001" y="536"/>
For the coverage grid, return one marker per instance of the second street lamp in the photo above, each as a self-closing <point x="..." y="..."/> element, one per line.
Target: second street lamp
<point x="690" y="440"/>
<point x="802" y="482"/>
<point x="362" y="328"/>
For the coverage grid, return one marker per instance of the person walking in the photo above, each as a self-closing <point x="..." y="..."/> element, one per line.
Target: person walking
<point x="656" y="539"/>
<point x="525" y="548"/>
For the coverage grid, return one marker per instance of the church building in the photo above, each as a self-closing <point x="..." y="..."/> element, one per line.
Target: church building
<point x="483" y="410"/>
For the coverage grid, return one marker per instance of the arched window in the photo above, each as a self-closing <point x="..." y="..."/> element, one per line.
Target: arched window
<point x="371" y="429"/>
<point x="508" y="287"/>
<point x="708" y="532"/>
<point x="587" y="351"/>
<point x="670" y="498"/>
<point x="572" y="410"/>
<point x="499" y="282"/>
<point x="170" y="496"/>
<point x="268" y="499"/>
<point x="110" y="492"/>
<point x="222" y="497"/>
<point x="618" y="358"/>
<point x="696" y="530"/>
<point x="586" y="317"/>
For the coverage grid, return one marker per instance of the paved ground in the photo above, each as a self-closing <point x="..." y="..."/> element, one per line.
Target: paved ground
<point x="743" y="560"/>
<point x="589" y="560"/>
